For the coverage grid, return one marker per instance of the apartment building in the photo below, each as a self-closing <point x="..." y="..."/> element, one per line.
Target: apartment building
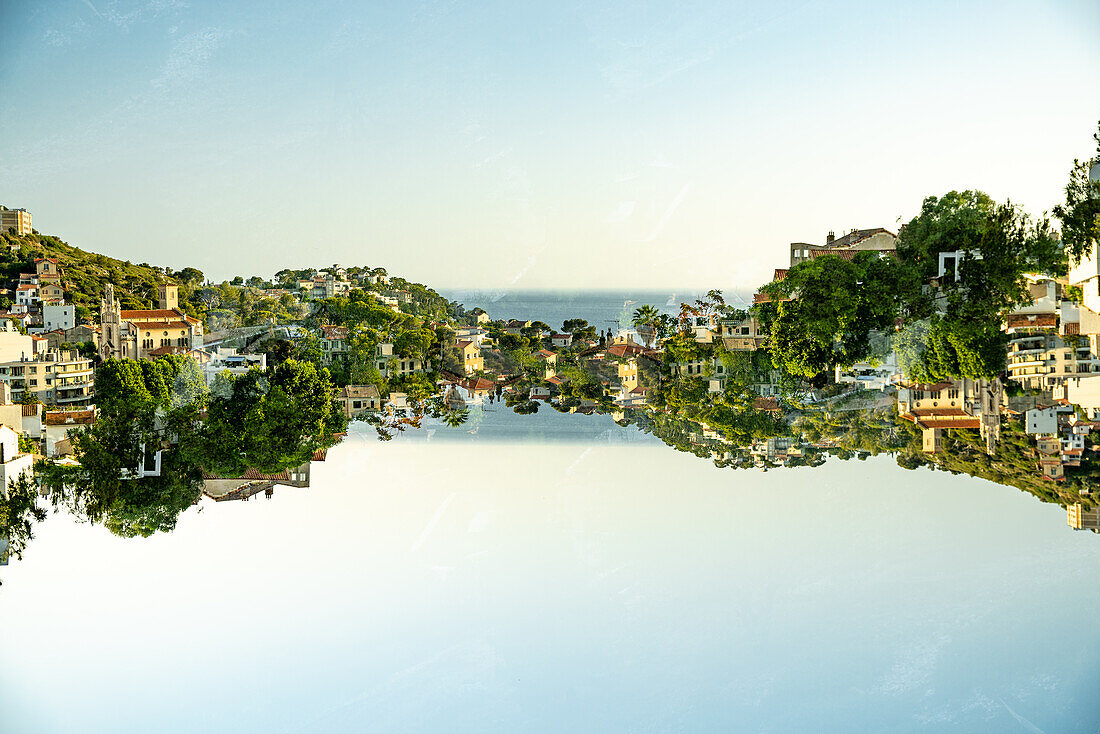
<point x="17" y="219"/>
<point x="55" y="378"/>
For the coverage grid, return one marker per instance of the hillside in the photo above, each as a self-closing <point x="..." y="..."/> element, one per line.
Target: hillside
<point x="86" y="272"/>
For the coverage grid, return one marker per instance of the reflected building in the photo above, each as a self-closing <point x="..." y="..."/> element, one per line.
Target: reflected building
<point x="1080" y="517"/>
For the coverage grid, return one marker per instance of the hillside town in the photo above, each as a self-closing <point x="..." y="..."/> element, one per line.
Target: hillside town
<point x="869" y="342"/>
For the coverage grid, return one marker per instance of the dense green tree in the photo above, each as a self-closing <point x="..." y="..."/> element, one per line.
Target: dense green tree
<point x="834" y="306"/>
<point x="1079" y="214"/>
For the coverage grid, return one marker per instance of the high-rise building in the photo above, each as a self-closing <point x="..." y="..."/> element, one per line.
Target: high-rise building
<point x="17" y="219"/>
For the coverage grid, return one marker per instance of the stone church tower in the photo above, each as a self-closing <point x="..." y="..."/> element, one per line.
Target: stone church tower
<point x="168" y="296"/>
<point x="111" y="343"/>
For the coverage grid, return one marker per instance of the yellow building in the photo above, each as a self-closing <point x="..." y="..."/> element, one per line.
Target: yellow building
<point x="56" y="378"/>
<point x="471" y="357"/>
<point x="17" y="219"/>
<point x="135" y="334"/>
<point x="1080" y="518"/>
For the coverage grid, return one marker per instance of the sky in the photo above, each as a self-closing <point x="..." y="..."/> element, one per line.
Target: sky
<point x="580" y="587"/>
<point x="528" y="145"/>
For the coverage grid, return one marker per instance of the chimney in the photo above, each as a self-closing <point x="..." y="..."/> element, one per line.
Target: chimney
<point x="830" y="238"/>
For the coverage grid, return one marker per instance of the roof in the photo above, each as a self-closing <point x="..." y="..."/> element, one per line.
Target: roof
<point x="69" y="417"/>
<point x="46" y="259"/>
<point x="768" y="404"/>
<point x="938" y="412"/>
<point x="359" y="391"/>
<point x="949" y="422"/>
<point x="780" y="274"/>
<point x="843" y="254"/>
<point x="544" y="354"/>
<point x="166" y="325"/>
<point x="30" y="410"/>
<point x="758" y="298"/>
<point x="1071" y="329"/>
<point x="858" y="235"/>
<point x="26" y="287"/>
<point x="154" y="313"/>
<point x="334" y="332"/>
<point x="1039" y="320"/>
<point x="464" y="343"/>
<point x="626" y="350"/>
<point x="478" y="384"/>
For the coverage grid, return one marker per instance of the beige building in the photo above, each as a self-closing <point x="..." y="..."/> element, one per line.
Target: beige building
<point x="391" y="365"/>
<point x="1082" y="518"/>
<point x="137" y="334"/>
<point x="17" y="219"/>
<point x="56" y="378"/>
<point x="858" y="240"/>
<point x="356" y="399"/>
<point x="1044" y="350"/>
<point x="952" y="404"/>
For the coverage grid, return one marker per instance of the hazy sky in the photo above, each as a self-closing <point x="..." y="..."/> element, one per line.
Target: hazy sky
<point x="503" y="144"/>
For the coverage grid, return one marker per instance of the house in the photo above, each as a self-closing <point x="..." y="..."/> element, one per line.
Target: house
<point x="472" y="360"/>
<point x="55" y="377"/>
<point x="539" y="392"/>
<point x="57" y="424"/>
<point x="226" y="359"/>
<point x="26" y="295"/>
<point x="1042" y="421"/>
<point x="478" y="387"/>
<point x="47" y="268"/>
<point x="334" y="344"/>
<point x="481" y="316"/>
<point x="390" y="364"/>
<point x="356" y="399"/>
<point x="857" y="240"/>
<point x="58" y="316"/>
<point x="221" y="488"/>
<point x="515" y="326"/>
<point x="472" y="333"/>
<point x="561" y="341"/>
<point x="628" y="375"/>
<point x="549" y="362"/>
<point x="1051" y="468"/>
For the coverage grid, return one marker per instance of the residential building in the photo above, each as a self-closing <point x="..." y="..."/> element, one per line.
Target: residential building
<point x="356" y="399"/>
<point x="549" y="362"/>
<point x="226" y="359"/>
<point x="471" y="357"/>
<point x="858" y="240"/>
<point x="13" y="463"/>
<point x="58" y="316"/>
<point x="391" y="365"/>
<point x="57" y="426"/>
<point x="26" y="295"/>
<point x="1085" y="391"/>
<point x="334" y="344"/>
<point x="1080" y="517"/>
<point x="14" y="344"/>
<point x="17" y="219"/>
<point x="47" y="269"/>
<point x="221" y="488"/>
<point x="56" y="378"/>
<point x="1042" y="421"/>
<point x="561" y="341"/>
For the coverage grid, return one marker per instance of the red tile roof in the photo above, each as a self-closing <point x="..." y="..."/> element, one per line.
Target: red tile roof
<point x="155" y="313"/>
<point x="1040" y="320"/>
<point x="334" y="332"/>
<point x="69" y="417"/>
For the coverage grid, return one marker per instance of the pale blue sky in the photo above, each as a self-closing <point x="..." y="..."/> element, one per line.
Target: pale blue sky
<point x="507" y="144"/>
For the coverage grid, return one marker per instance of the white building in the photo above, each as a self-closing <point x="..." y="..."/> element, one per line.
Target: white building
<point x="1041" y="421"/>
<point x="61" y="316"/>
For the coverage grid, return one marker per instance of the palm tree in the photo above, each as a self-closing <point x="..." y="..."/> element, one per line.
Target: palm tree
<point x="455" y="418"/>
<point x="646" y="317"/>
